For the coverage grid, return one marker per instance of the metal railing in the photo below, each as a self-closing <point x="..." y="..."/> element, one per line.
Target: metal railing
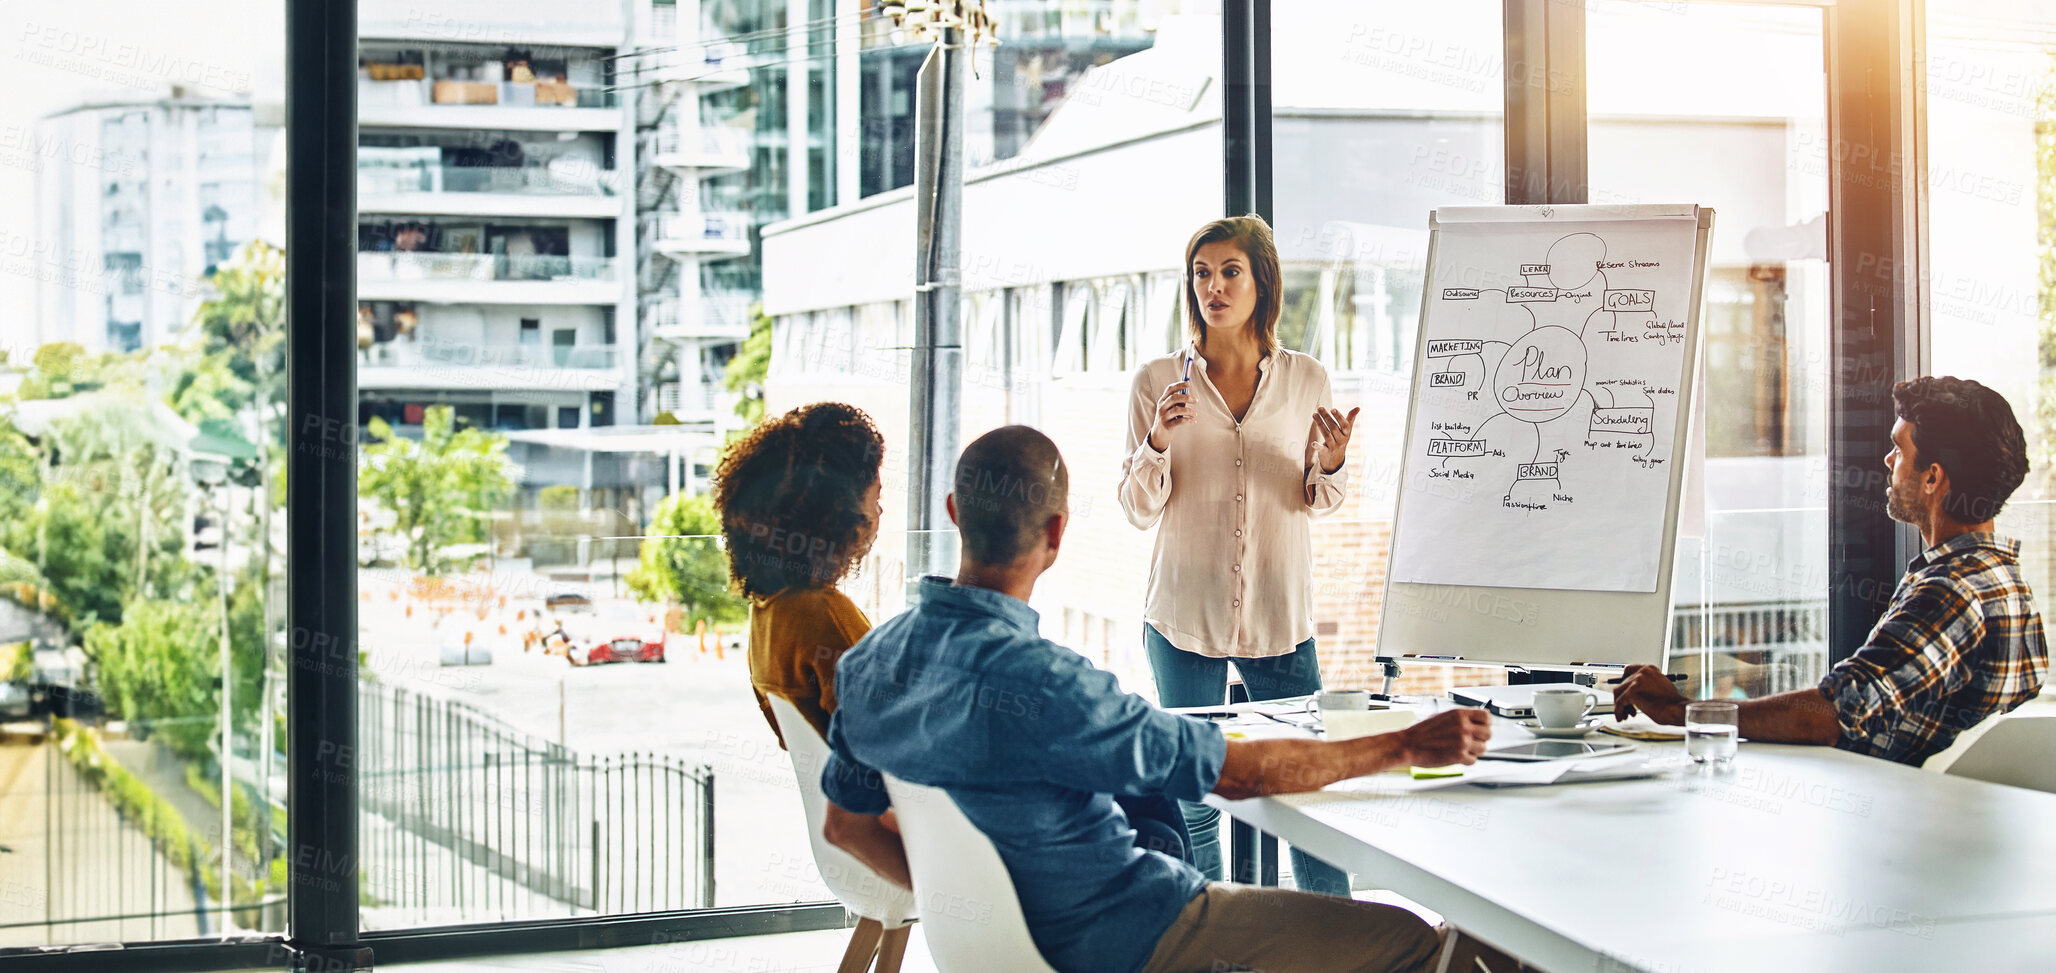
<point x="104" y="878"/>
<point x="723" y="314"/>
<point x="727" y="312"/>
<point x="544" y="180"/>
<point x="688" y="398"/>
<point x="1788" y="639"/>
<point x="718" y="141"/>
<point x="464" y="813"/>
<point x="455" y="92"/>
<point x="727" y="227"/>
<point x="416" y="265"/>
<point x="431" y="353"/>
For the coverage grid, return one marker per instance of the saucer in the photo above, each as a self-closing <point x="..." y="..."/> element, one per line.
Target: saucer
<point x="1559" y="732"/>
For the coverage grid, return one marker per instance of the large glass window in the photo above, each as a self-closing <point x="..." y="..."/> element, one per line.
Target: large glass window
<point x="548" y="290"/>
<point x="1070" y="273"/>
<point x="1383" y="112"/>
<point x="575" y="288"/>
<point x="1991" y="170"/>
<point x="142" y="554"/>
<point x="596" y="244"/>
<point x="517" y="772"/>
<point x="1670" y="121"/>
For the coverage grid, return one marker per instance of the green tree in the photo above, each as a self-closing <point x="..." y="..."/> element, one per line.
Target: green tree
<point x="63" y="369"/>
<point x="20" y="473"/>
<point x="207" y="388"/>
<point x="58" y="367"/>
<point x="127" y="453"/>
<point x="558" y="498"/>
<point x="682" y="562"/>
<point x="242" y="367"/>
<point x="244" y="318"/>
<point x="17" y="662"/>
<point x="441" y="489"/>
<point x="87" y="557"/>
<point x="158" y="667"/>
<point x="745" y="373"/>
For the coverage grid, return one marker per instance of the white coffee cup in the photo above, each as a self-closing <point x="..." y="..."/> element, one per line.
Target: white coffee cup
<point x="1562" y="706"/>
<point x="1339" y="699"/>
<point x="1348" y="713"/>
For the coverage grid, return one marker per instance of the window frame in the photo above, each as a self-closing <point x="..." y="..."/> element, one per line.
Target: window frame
<point x="1877" y="219"/>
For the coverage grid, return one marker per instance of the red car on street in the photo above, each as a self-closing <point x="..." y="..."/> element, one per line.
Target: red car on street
<point x="620" y="633"/>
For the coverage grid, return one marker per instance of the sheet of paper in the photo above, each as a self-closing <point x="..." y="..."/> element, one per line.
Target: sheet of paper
<point x="1641" y="727"/>
<point x="1546" y="406"/>
<point x="1405" y="783"/>
<point x="1294" y="704"/>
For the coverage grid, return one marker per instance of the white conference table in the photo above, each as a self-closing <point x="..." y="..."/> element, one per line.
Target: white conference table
<point x="1799" y="858"/>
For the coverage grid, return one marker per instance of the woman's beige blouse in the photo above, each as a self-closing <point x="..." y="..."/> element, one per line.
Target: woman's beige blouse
<point x="1232" y="573"/>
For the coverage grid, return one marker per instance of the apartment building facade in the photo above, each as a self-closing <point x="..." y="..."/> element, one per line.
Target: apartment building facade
<point x="493" y="220"/>
<point x="140" y="200"/>
<point x="690" y="240"/>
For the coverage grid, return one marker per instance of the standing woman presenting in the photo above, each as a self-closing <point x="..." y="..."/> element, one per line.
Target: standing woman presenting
<point x="1233" y="447"/>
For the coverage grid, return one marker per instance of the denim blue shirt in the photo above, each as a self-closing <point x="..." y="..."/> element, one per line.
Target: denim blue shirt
<point x="1030" y="740"/>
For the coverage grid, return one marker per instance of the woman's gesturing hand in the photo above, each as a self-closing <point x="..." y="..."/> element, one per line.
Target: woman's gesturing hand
<point x="1327" y="438"/>
<point x="1174" y="409"/>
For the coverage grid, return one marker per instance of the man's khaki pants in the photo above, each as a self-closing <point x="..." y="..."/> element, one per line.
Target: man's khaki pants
<point x="1229" y="927"/>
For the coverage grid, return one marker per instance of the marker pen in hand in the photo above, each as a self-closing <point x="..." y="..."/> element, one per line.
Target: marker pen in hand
<point x="1188" y="375"/>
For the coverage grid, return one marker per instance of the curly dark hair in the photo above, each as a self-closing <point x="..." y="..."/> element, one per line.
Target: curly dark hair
<point x="791" y="495"/>
<point x="1970" y="430"/>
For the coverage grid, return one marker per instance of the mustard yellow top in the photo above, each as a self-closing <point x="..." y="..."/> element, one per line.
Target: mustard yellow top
<point x="796" y="636"/>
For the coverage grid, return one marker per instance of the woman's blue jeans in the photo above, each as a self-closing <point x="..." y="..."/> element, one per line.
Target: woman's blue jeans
<point x="1190" y="679"/>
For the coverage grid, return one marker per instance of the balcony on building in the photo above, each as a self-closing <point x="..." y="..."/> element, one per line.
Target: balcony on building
<point x="463" y="365"/>
<point x="123" y="237"/>
<point x="487" y="278"/>
<point x="535" y="22"/>
<point x="712" y="235"/>
<point x="458" y="261"/>
<point x="402" y="85"/>
<point x="710" y="151"/>
<point x="416" y="345"/>
<point x="438" y="181"/>
<point x="711" y="317"/>
<point x="701" y="401"/>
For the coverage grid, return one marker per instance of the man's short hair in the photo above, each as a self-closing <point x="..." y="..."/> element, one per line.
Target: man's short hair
<point x="1009" y="483"/>
<point x="1970" y="430"/>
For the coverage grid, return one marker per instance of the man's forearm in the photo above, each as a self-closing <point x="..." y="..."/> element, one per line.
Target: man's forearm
<point x="1800" y="716"/>
<point x="1255" y="768"/>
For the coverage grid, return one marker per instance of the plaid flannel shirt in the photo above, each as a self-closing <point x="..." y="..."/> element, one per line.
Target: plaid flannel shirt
<point x="1961" y="641"/>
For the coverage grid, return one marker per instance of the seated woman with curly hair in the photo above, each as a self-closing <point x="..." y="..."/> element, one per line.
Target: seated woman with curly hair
<point x="799" y="507"/>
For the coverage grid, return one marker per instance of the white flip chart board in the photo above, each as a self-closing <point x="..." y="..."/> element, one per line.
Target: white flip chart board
<point x="1548" y="434"/>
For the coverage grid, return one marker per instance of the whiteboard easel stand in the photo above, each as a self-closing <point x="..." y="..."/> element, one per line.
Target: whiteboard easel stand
<point x="1582" y="619"/>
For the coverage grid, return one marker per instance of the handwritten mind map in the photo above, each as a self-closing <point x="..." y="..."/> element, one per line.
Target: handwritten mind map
<point x="1544" y="418"/>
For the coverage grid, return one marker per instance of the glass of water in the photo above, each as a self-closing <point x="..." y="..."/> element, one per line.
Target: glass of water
<point x="1711" y="732"/>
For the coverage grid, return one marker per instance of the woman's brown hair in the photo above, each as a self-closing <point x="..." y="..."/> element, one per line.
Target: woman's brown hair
<point x="791" y="496"/>
<point x="1253" y="235"/>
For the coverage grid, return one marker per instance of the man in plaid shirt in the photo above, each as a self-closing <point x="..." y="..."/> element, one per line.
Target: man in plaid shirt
<point x="1961" y="639"/>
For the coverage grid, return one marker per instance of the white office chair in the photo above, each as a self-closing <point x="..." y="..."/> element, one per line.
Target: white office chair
<point x="883" y="909"/>
<point x="972" y="919"/>
<point x="2014" y="751"/>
